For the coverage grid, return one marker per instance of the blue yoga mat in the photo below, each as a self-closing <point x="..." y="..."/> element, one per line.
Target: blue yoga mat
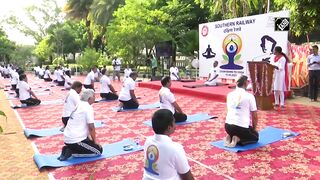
<point x="190" y="119"/>
<point x="50" y="131"/>
<point x="141" y="107"/>
<point x="266" y="136"/>
<point x="104" y="100"/>
<point x="109" y="150"/>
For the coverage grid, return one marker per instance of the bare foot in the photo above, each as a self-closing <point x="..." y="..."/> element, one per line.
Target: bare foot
<point x="235" y="140"/>
<point x="227" y="141"/>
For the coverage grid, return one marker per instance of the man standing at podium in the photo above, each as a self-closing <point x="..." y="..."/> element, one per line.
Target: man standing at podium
<point x="281" y="79"/>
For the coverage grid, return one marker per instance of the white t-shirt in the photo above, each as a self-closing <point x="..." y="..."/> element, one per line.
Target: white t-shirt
<point x="77" y="128"/>
<point x="164" y="159"/>
<point x="174" y="71"/>
<point x="166" y="99"/>
<point x="14" y="77"/>
<point x="41" y="71"/>
<point x="55" y="73"/>
<point x="312" y="58"/>
<point x="24" y="90"/>
<point x="116" y="63"/>
<point x="129" y="84"/>
<point x="213" y="73"/>
<point x="127" y="72"/>
<point x="240" y="104"/>
<point x="105" y="82"/>
<point x="67" y="80"/>
<point x="59" y="74"/>
<point x="47" y="74"/>
<point x="89" y="78"/>
<point x="70" y="103"/>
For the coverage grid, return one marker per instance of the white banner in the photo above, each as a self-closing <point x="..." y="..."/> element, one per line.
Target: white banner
<point x="233" y="42"/>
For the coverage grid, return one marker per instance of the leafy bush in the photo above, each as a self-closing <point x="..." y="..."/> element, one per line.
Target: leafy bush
<point x="58" y="61"/>
<point x="89" y="58"/>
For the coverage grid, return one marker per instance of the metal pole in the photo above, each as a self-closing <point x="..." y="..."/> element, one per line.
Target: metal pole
<point x="268" y="6"/>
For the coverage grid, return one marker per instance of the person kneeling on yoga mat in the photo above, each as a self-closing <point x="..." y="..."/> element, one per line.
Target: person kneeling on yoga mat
<point x="25" y="92"/>
<point x="79" y="134"/>
<point x="241" y="105"/>
<point x="163" y="158"/>
<point x="107" y="91"/>
<point x="168" y="101"/>
<point x="89" y="80"/>
<point x="127" y="96"/>
<point x="71" y="102"/>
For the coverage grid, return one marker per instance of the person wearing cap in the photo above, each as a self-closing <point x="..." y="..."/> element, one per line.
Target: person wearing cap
<point x="241" y="121"/>
<point x="164" y="158"/>
<point x="79" y="134"/>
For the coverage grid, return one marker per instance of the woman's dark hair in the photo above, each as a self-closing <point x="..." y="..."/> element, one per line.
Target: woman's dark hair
<point x="278" y="49"/>
<point x="161" y="120"/>
<point x="165" y="80"/>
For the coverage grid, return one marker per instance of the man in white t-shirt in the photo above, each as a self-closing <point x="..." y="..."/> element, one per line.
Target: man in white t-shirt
<point x="67" y="80"/>
<point x="14" y="78"/>
<point x="60" y="77"/>
<point x="25" y="92"/>
<point x="163" y="158"/>
<point x="168" y="101"/>
<point x="116" y="63"/>
<point x="127" y="96"/>
<point x="47" y="73"/>
<point x="55" y="73"/>
<point x="242" y="118"/>
<point x="89" y="81"/>
<point x="79" y="134"/>
<point x="314" y="73"/>
<point x="174" y="73"/>
<point x="107" y="91"/>
<point x="71" y="101"/>
<point x="127" y="72"/>
<point x="213" y="75"/>
<point x="41" y="72"/>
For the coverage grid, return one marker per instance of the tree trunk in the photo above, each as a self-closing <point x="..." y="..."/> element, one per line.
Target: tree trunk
<point x="89" y="33"/>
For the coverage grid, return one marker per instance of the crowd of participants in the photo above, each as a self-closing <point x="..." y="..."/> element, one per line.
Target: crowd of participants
<point x="163" y="158"/>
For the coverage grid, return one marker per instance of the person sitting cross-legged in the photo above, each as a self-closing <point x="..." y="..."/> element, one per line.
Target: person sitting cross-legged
<point x="213" y="75"/>
<point x="242" y="118"/>
<point x="127" y="96"/>
<point x="107" y="91"/>
<point x="25" y="92"/>
<point x="163" y="158"/>
<point x="80" y="134"/>
<point x="168" y="101"/>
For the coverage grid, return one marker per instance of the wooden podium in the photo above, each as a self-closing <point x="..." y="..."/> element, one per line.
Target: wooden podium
<point x="261" y="74"/>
